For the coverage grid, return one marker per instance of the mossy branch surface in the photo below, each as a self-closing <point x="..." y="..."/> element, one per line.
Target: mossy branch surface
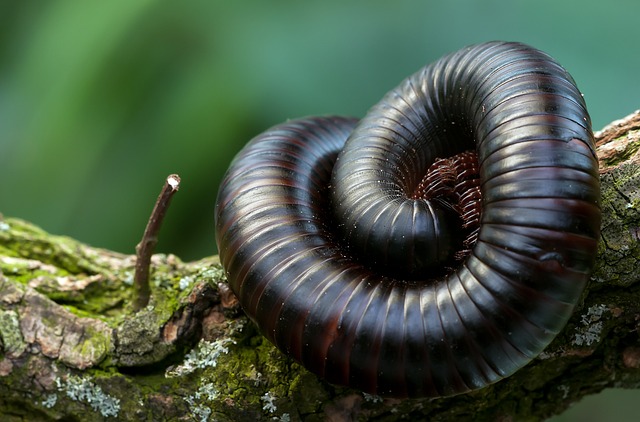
<point x="73" y="348"/>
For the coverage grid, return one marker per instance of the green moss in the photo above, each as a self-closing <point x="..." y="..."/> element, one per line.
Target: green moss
<point x="225" y="379"/>
<point x="631" y="148"/>
<point x="94" y="347"/>
<point x="23" y="239"/>
<point x="619" y="251"/>
<point x="10" y="334"/>
<point x="307" y="392"/>
<point x="91" y="283"/>
<point x="234" y="367"/>
<point x="139" y="339"/>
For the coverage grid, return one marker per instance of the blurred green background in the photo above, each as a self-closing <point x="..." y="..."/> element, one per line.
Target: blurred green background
<point x="100" y="101"/>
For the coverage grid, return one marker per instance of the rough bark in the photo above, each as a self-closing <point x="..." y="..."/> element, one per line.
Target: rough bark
<point x="71" y="347"/>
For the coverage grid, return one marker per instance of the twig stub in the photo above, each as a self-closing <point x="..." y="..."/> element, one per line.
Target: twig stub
<point x="145" y="248"/>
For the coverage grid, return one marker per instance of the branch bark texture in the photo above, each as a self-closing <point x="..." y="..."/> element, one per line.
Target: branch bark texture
<point x="72" y="347"/>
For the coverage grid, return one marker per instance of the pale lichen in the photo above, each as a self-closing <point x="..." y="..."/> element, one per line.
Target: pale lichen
<point x="372" y="398"/>
<point x="205" y="354"/>
<point x="214" y="273"/>
<point x="128" y="278"/>
<point x="269" y="402"/>
<point x="565" y="390"/>
<point x="199" y="412"/>
<point x="590" y="332"/>
<point x="197" y="406"/>
<point x="49" y="401"/>
<point x="185" y="282"/>
<point x="84" y="390"/>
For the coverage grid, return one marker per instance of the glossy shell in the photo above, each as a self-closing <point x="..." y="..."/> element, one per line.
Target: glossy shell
<point x="340" y="272"/>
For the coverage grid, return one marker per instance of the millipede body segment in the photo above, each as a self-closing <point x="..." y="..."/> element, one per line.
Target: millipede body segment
<point x="340" y="265"/>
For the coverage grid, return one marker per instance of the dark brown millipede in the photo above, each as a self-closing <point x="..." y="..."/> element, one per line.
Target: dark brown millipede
<point x="337" y="265"/>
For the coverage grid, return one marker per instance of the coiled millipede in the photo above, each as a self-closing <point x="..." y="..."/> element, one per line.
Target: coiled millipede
<point x="336" y="261"/>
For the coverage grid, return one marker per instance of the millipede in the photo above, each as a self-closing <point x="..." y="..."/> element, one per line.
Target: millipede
<point x="345" y="268"/>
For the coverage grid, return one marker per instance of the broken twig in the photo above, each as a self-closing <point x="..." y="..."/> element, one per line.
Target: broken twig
<point x="145" y="248"/>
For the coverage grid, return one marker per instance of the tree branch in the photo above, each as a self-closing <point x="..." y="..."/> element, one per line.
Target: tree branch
<point x="71" y="349"/>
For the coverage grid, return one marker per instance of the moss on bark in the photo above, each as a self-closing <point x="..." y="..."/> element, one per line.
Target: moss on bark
<point x="72" y="348"/>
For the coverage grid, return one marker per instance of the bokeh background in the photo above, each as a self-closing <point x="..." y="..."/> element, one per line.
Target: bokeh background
<point x="100" y="101"/>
